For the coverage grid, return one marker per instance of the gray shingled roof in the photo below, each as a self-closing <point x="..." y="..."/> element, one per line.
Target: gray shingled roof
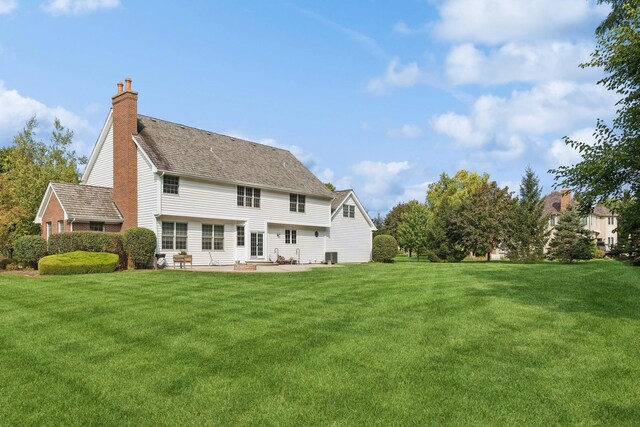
<point x="338" y="198"/>
<point x="552" y="205"/>
<point x="189" y="151"/>
<point x="87" y="202"/>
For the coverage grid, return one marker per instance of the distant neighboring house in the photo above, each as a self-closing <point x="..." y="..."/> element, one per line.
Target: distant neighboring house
<point x="601" y="222"/>
<point x="222" y="199"/>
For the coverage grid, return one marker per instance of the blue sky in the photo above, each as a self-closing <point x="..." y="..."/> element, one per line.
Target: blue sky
<point x="379" y="96"/>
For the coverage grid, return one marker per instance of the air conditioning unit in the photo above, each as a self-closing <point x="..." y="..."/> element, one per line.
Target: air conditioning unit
<point x="331" y="257"/>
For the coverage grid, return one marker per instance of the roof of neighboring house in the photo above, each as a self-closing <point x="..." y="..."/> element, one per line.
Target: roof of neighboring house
<point x="552" y="205"/>
<point x="87" y="202"/>
<point x="338" y="198"/>
<point x="188" y="151"/>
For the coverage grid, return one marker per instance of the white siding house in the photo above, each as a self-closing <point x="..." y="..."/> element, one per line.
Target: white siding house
<point x="221" y="199"/>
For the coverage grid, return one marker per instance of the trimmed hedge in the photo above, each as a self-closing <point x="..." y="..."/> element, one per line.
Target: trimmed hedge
<point x="87" y="241"/>
<point x="385" y="248"/>
<point x="140" y="245"/>
<point x="79" y="262"/>
<point x="29" y="249"/>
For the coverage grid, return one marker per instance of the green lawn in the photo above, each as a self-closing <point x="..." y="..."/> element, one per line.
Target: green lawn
<point x="401" y="344"/>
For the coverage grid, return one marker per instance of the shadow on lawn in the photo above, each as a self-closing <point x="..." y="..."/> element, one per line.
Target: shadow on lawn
<point x="584" y="288"/>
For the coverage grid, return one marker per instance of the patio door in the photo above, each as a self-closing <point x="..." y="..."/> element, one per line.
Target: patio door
<point x="257" y="245"/>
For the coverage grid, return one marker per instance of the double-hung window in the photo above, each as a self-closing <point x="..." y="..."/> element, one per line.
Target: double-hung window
<point x="349" y="211"/>
<point x="174" y="236"/>
<point x="60" y="226"/>
<point x="170" y="184"/>
<point x="290" y="237"/>
<point x="248" y="196"/>
<point x="297" y="202"/>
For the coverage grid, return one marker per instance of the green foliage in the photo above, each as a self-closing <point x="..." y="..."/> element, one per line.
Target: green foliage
<point x="29" y="249"/>
<point x="609" y="169"/>
<point x="484" y="218"/>
<point x="88" y="241"/>
<point x="394" y="218"/>
<point x="78" y="262"/>
<point x="378" y="221"/>
<point x="330" y="186"/>
<point x="140" y="244"/>
<point x="529" y="233"/>
<point x="571" y="241"/>
<point x="453" y="191"/>
<point x="385" y="248"/>
<point x="29" y="165"/>
<point x="414" y="228"/>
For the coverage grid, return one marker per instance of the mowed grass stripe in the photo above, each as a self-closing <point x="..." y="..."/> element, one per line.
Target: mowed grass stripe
<point x="402" y="344"/>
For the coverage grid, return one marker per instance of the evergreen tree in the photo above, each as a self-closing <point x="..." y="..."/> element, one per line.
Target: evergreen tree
<point x="571" y="241"/>
<point x="378" y="221"/>
<point x="529" y="227"/>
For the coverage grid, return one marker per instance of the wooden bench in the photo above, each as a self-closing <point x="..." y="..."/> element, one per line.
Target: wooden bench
<point x="183" y="260"/>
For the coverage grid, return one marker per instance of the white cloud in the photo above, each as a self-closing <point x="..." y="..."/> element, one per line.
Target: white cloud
<point x="78" y="7"/>
<point x="546" y="108"/>
<point x="561" y="154"/>
<point x="306" y="158"/>
<point x="16" y="109"/>
<point x="8" y="6"/>
<point x="496" y="21"/>
<point x="378" y="184"/>
<point x="519" y="62"/>
<point x="405" y="132"/>
<point x="401" y="28"/>
<point x="397" y="75"/>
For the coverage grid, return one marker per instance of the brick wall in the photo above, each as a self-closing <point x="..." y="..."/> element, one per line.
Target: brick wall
<point x="125" y="155"/>
<point x="53" y="213"/>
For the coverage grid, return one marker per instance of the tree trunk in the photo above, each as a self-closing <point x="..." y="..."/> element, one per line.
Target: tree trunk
<point x="489" y="256"/>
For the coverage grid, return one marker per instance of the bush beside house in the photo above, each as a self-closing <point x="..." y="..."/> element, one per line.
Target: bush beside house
<point x="79" y="262"/>
<point x="385" y="248"/>
<point x="29" y="249"/>
<point x="139" y="245"/>
<point x="88" y="241"/>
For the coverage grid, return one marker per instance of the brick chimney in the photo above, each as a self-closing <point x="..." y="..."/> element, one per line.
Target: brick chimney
<point x="125" y="155"/>
<point x="565" y="198"/>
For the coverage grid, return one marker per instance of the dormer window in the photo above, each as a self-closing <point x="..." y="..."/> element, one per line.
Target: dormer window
<point x="170" y="184"/>
<point x="297" y="203"/>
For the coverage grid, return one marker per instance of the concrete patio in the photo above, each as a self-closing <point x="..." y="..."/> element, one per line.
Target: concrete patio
<point x="260" y="268"/>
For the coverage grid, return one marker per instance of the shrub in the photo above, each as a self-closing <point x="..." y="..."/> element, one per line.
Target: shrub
<point x="432" y="256"/>
<point x="385" y="248"/>
<point x="4" y="263"/>
<point x="29" y="249"/>
<point x="79" y="262"/>
<point x="87" y="241"/>
<point x="140" y="245"/>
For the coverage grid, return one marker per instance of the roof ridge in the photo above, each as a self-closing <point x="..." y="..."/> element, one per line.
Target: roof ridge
<point x="215" y="133"/>
<point x="81" y="185"/>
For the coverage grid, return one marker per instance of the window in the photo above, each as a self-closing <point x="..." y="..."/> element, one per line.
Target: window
<point x="240" y="235"/>
<point x="181" y="236"/>
<point x="60" y="226"/>
<point x="611" y="220"/>
<point x="170" y="184"/>
<point x="290" y="237"/>
<point x="349" y="211"/>
<point x="96" y="226"/>
<point x="248" y="196"/>
<point x="584" y="220"/>
<point x="174" y="236"/>
<point x="218" y="237"/>
<point x="48" y="230"/>
<point x="297" y="202"/>
<point x="552" y="220"/>
<point x="207" y="237"/>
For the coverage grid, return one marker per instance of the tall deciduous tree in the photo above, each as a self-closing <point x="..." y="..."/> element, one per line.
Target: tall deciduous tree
<point x="485" y="219"/>
<point x="571" y="241"/>
<point x="394" y="218"/>
<point x="445" y="199"/>
<point x="413" y="229"/>
<point x="529" y="226"/>
<point x="29" y="166"/>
